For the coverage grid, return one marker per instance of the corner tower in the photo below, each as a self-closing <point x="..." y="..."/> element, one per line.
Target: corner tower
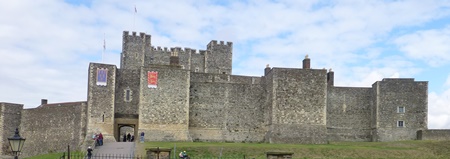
<point x="401" y="107"/>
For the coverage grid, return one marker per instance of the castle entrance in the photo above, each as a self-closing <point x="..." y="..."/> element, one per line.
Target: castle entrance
<point x="125" y="126"/>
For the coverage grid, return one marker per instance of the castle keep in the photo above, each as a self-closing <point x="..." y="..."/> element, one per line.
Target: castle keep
<point x="181" y="94"/>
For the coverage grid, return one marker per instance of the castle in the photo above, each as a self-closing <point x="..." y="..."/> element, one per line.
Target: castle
<point x="180" y="94"/>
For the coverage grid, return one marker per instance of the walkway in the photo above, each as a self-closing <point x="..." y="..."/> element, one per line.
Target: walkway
<point x="115" y="148"/>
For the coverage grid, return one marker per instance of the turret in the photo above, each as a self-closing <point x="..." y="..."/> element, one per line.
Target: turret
<point x="134" y="49"/>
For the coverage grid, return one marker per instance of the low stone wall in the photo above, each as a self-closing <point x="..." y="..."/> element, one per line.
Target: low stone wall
<point x="51" y="128"/>
<point x="433" y="134"/>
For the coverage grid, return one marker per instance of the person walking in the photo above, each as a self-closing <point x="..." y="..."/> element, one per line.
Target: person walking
<point x="124" y="138"/>
<point x="100" y="139"/>
<point x="89" y="152"/>
<point x="128" y="137"/>
<point x="142" y="137"/>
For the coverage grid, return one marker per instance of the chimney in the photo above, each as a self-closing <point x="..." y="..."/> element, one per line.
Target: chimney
<point x="174" y="59"/>
<point x="330" y="78"/>
<point x="43" y="101"/>
<point x="306" y="63"/>
<point x="266" y="70"/>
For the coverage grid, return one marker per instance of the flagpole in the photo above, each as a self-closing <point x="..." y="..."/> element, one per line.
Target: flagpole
<point x="104" y="46"/>
<point x="134" y="17"/>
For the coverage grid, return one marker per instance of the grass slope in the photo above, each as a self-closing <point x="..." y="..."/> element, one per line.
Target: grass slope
<point x="401" y="149"/>
<point x="206" y="150"/>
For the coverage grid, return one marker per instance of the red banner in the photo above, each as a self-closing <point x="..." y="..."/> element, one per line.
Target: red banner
<point x="152" y="80"/>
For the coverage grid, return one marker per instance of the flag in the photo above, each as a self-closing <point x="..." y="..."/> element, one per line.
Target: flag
<point x="135" y="10"/>
<point x="104" y="44"/>
<point x="102" y="76"/>
<point x="152" y="81"/>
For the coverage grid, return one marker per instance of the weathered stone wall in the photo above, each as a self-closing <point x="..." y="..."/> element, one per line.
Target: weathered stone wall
<point x="198" y="61"/>
<point x="10" y="118"/>
<point x="348" y="114"/>
<point x="100" y="116"/>
<point x="158" y="56"/>
<point x="127" y="80"/>
<point x="299" y="106"/>
<point x="50" y="129"/>
<point x="434" y="134"/>
<point x="164" y="111"/>
<point x="219" y="58"/>
<point x="226" y="112"/>
<point x="394" y="93"/>
<point x="224" y="78"/>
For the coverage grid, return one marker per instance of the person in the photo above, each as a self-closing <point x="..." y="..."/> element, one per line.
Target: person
<point x="132" y="138"/>
<point x="89" y="152"/>
<point x="95" y="137"/>
<point x="128" y="137"/>
<point x="124" y="137"/>
<point x="100" y="139"/>
<point x="142" y="137"/>
<point x="183" y="155"/>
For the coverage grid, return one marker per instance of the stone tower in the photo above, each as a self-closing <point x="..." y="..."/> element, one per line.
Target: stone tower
<point x="400" y="109"/>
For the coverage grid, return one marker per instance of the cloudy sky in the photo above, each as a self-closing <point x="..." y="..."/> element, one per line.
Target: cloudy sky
<point x="46" y="45"/>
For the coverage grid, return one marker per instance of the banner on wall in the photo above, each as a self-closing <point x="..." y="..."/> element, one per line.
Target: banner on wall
<point x="102" y="76"/>
<point x="152" y="79"/>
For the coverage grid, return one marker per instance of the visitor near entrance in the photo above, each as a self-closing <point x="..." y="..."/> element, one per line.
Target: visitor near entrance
<point x="100" y="139"/>
<point x="128" y="137"/>
<point x="142" y="137"/>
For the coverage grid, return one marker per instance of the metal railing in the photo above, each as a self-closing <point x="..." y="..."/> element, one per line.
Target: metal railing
<point x="100" y="156"/>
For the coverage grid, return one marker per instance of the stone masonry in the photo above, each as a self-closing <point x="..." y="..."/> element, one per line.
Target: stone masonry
<point x="181" y="94"/>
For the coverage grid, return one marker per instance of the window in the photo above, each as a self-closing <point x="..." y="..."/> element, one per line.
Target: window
<point x="400" y="109"/>
<point x="128" y="95"/>
<point x="196" y="69"/>
<point x="400" y="124"/>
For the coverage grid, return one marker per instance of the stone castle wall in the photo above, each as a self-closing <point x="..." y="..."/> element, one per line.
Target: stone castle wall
<point x="164" y="111"/>
<point x="225" y="110"/>
<point x="434" y="134"/>
<point x="348" y="114"/>
<point x="10" y="118"/>
<point x="50" y="129"/>
<point x="298" y="106"/>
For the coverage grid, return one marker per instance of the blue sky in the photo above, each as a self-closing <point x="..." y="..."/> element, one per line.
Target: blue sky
<point x="47" y="45"/>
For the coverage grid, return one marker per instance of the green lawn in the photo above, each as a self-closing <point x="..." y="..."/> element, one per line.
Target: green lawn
<point x="402" y="149"/>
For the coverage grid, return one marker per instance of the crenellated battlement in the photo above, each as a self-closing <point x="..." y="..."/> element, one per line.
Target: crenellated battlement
<point x="134" y="34"/>
<point x="213" y="43"/>
<point x="135" y="38"/>
<point x="179" y="49"/>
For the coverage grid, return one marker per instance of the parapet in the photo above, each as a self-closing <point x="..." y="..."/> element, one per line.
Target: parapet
<point x="398" y="79"/>
<point x="133" y="34"/>
<point x="221" y="43"/>
<point x="180" y="50"/>
<point x="142" y="37"/>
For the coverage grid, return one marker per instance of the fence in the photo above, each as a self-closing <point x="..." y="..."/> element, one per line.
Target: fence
<point x="100" y="156"/>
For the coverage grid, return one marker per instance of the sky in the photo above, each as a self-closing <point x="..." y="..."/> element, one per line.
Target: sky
<point x="47" y="45"/>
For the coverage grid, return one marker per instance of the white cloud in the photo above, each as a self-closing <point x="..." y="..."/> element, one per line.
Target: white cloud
<point x="431" y="46"/>
<point x="439" y="110"/>
<point x="447" y="82"/>
<point x="48" y="44"/>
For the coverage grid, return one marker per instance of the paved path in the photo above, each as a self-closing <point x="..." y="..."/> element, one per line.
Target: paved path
<point x="115" y="148"/>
